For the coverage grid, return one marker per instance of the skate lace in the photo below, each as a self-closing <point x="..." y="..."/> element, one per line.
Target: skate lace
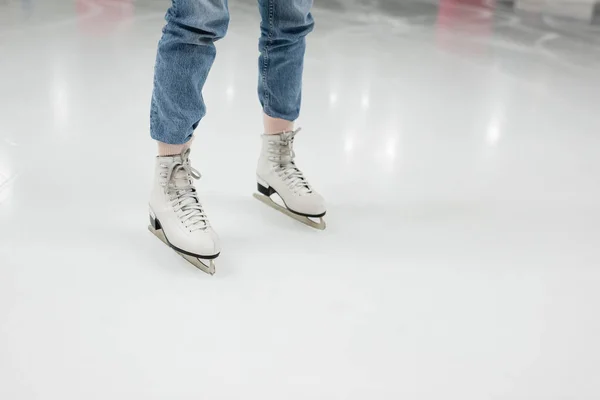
<point x="282" y="153"/>
<point x="182" y="193"/>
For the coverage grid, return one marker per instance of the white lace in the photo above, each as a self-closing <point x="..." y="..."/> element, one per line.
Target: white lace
<point x="182" y="193"/>
<point x="282" y="153"/>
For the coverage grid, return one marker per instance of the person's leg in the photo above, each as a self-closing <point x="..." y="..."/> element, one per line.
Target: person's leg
<point x="284" y="26"/>
<point x="185" y="55"/>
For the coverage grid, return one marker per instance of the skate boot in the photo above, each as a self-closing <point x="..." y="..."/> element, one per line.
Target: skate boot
<point x="277" y="174"/>
<point x="176" y="215"/>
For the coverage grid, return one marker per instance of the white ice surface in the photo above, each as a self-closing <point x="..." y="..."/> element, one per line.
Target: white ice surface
<point x="458" y="148"/>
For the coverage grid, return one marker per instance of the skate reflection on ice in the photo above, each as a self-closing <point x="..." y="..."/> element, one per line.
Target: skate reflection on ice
<point x="7" y="177"/>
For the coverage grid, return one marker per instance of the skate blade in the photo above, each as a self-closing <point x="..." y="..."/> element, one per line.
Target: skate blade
<point x="196" y="262"/>
<point x="321" y="225"/>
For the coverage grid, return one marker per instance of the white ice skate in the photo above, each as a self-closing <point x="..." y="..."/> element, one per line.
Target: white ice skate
<point x="176" y="215"/>
<point x="277" y="174"/>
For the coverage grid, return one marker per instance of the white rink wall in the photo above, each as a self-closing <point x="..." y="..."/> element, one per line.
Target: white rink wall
<point x="581" y="10"/>
<point x="585" y="10"/>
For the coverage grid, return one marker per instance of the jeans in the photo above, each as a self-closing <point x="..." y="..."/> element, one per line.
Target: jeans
<point x="186" y="53"/>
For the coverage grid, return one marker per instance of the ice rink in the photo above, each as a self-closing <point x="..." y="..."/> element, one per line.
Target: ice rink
<point x="458" y="147"/>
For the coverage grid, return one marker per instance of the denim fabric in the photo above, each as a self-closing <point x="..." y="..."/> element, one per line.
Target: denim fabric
<point x="186" y="53"/>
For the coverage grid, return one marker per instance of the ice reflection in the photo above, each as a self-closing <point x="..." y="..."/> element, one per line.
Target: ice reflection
<point x="59" y="95"/>
<point x="365" y="101"/>
<point x="349" y="143"/>
<point x="333" y="99"/>
<point x="6" y="178"/>
<point x="103" y="16"/>
<point x="493" y="133"/>
<point x="230" y="93"/>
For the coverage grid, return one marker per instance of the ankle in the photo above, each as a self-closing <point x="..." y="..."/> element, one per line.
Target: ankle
<point x="274" y="126"/>
<point x="165" y="149"/>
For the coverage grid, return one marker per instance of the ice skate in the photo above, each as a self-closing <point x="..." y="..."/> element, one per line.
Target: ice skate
<point x="278" y="175"/>
<point x="177" y="216"/>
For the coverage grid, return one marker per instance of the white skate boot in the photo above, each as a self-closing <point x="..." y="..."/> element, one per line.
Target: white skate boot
<point x="176" y="215"/>
<point x="277" y="173"/>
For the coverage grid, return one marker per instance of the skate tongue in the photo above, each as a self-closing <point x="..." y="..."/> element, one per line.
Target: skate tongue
<point x="183" y="173"/>
<point x="181" y="179"/>
<point x="285" y="160"/>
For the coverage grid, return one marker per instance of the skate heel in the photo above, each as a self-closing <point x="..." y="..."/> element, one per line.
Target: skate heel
<point x="154" y="223"/>
<point x="265" y="190"/>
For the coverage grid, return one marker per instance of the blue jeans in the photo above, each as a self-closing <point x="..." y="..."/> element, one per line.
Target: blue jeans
<point x="186" y="53"/>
